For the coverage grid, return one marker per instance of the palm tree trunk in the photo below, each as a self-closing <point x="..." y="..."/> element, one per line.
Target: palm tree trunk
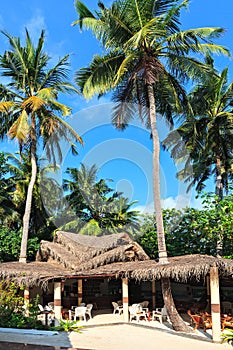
<point x="156" y="178"/>
<point x="219" y="185"/>
<point x="177" y="322"/>
<point x="28" y="206"/>
<point x="219" y="193"/>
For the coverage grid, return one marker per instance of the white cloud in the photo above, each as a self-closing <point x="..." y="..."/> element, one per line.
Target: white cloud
<point x="35" y="25"/>
<point x="148" y="209"/>
<point x="181" y="201"/>
<point x="178" y="202"/>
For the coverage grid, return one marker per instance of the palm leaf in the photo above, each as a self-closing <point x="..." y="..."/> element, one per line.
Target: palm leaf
<point x="6" y="106"/>
<point x="33" y="103"/>
<point x="20" y="129"/>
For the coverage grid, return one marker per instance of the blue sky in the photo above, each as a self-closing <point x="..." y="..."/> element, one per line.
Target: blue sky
<point x="125" y="156"/>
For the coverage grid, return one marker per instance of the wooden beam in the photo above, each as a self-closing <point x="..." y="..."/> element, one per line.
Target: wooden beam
<point x="153" y="290"/>
<point x="125" y="299"/>
<point x="80" y="291"/>
<point x="208" y="309"/>
<point x="215" y="305"/>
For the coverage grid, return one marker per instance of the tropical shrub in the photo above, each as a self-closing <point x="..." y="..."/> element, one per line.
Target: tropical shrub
<point x="68" y="326"/>
<point x="12" y="308"/>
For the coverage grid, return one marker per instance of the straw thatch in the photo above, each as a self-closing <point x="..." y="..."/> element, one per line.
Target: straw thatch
<point x="180" y="269"/>
<point x="30" y="274"/>
<point x="80" y="252"/>
<point x="72" y="255"/>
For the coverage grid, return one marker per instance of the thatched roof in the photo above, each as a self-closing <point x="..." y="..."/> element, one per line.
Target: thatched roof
<point x="72" y="255"/>
<point x="30" y="274"/>
<point x="81" y="252"/>
<point x="180" y="268"/>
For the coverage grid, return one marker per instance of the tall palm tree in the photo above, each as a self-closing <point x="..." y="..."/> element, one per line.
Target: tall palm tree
<point x="207" y="133"/>
<point x="147" y="59"/>
<point x="29" y="109"/>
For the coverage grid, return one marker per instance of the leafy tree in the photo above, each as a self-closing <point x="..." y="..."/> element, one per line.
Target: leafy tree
<point x="29" y="109"/>
<point x="145" y="62"/>
<point x="192" y="231"/>
<point x="10" y="244"/>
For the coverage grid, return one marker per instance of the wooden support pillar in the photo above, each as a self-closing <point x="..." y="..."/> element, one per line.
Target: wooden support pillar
<point x="125" y="299"/>
<point x="153" y="290"/>
<point x="80" y="291"/>
<point x="208" y="309"/>
<point x="26" y="295"/>
<point x="215" y="305"/>
<point x="57" y="303"/>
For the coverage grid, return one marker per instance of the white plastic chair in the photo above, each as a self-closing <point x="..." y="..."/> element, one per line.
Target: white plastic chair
<point x="88" y="310"/>
<point x="160" y="314"/>
<point x="117" y="308"/>
<point x="144" y="304"/>
<point x="136" y="311"/>
<point x="80" y="313"/>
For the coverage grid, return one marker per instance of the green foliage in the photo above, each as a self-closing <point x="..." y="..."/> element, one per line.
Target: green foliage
<point x="227" y="336"/>
<point x="12" y="308"/>
<point x="10" y="241"/>
<point x="68" y="326"/>
<point x="192" y="231"/>
<point x="147" y="236"/>
<point x="99" y="209"/>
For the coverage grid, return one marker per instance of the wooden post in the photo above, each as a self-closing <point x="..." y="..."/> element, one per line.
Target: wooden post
<point x="26" y="295"/>
<point x="215" y="305"/>
<point x="57" y="303"/>
<point x="80" y="291"/>
<point x="208" y="294"/>
<point x="125" y="299"/>
<point x="153" y="290"/>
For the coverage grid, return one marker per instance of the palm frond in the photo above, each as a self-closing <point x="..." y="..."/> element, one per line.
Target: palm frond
<point x="98" y="78"/>
<point x="33" y="103"/>
<point x="20" y="129"/>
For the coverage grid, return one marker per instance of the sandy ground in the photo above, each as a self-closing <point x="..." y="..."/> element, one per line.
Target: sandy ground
<point x="114" y="336"/>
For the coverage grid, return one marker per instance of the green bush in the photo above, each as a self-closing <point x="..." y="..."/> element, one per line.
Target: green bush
<point x="12" y="308"/>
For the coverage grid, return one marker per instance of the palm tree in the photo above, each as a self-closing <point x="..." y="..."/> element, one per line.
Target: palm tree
<point x="29" y="109"/>
<point x="98" y="207"/>
<point x="147" y="59"/>
<point x="19" y="174"/>
<point x="207" y="133"/>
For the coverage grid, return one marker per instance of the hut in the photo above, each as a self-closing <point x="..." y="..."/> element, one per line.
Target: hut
<point x="83" y="259"/>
